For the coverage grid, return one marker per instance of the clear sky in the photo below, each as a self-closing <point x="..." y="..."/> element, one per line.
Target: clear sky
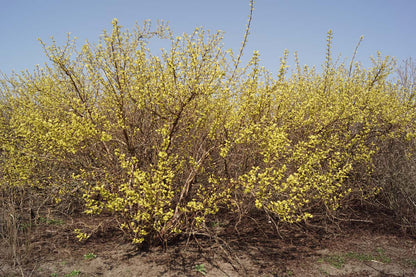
<point x="297" y="25"/>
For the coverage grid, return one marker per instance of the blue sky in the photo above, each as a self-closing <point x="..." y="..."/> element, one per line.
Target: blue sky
<point x="387" y="25"/>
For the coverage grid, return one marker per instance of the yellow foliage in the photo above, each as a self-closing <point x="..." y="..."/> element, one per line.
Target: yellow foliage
<point x="165" y="142"/>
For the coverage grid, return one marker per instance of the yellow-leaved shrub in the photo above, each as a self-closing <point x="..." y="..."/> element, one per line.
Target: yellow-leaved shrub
<point x="163" y="142"/>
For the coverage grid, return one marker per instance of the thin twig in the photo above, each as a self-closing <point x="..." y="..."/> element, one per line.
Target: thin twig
<point x="243" y="45"/>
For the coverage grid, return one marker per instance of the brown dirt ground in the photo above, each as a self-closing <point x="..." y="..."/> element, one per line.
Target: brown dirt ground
<point x="361" y="249"/>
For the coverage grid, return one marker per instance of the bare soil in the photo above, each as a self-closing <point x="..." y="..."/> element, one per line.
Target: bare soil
<point x="249" y="249"/>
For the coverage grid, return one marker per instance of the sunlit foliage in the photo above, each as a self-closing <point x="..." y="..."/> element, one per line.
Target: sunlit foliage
<point x="165" y="142"/>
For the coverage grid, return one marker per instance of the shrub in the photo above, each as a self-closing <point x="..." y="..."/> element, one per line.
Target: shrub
<point x="164" y="142"/>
